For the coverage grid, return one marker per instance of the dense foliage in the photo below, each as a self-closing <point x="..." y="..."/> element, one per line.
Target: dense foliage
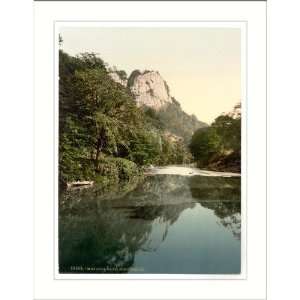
<point x="173" y="119"/>
<point x="179" y="122"/>
<point x="219" y="146"/>
<point x="102" y="133"/>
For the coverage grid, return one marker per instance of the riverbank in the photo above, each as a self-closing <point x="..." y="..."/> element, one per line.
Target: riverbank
<point x="116" y="176"/>
<point x="226" y="163"/>
<point x="120" y="176"/>
<point x="188" y="170"/>
<point x="107" y="171"/>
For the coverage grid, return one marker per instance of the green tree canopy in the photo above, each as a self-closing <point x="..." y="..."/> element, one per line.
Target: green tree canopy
<point x="219" y="144"/>
<point x="205" y="144"/>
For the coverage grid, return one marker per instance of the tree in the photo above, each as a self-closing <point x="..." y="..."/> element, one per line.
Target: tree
<point x="122" y="74"/>
<point x="145" y="148"/>
<point x="60" y="40"/>
<point x="109" y="113"/>
<point x="205" y="144"/>
<point x="96" y="115"/>
<point x="219" y="146"/>
<point x="229" y="130"/>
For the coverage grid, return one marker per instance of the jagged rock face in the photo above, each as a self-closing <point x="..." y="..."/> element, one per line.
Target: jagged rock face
<point x="150" y="89"/>
<point x="115" y="76"/>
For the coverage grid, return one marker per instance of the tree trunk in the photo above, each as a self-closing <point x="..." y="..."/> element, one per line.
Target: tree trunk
<point x="92" y="154"/>
<point x="97" y="152"/>
<point x="101" y="142"/>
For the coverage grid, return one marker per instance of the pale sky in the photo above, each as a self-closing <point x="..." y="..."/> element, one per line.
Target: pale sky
<point x="202" y="66"/>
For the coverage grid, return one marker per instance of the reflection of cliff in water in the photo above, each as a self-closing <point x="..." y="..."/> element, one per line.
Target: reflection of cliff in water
<point x="101" y="230"/>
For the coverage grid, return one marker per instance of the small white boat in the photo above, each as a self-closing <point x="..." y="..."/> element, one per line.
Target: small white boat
<point x="79" y="183"/>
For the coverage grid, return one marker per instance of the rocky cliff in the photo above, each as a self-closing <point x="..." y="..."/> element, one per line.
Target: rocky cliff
<point x="152" y="93"/>
<point x="149" y="89"/>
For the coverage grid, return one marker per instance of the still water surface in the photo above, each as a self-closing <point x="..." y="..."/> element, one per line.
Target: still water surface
<point x="174" y="221"/>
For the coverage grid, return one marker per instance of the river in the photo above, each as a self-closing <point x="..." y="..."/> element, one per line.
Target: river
<point x="177" y="220"/>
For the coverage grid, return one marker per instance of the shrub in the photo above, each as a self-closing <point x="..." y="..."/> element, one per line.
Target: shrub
<point x="126" y="168"/>
<point x="117" y="168"/>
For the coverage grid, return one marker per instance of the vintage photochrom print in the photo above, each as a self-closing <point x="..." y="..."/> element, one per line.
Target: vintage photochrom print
<point x="150" y="154"/>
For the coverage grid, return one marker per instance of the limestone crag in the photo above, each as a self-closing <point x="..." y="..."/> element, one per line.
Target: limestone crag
<point x="150" y="89"/>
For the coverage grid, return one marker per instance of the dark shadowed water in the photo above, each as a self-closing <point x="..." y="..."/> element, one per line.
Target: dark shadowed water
<point x="169" y="224"/>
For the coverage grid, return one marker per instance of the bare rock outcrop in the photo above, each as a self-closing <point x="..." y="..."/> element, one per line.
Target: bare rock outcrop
<point x="149" y="89"/>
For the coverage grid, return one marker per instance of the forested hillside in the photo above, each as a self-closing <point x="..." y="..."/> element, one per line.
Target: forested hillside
<point x="179" y="122"/>
<point x="103" y="135"/>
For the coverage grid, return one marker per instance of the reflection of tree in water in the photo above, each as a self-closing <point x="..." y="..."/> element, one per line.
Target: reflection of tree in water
<point x="223" y="196"/>
<point x="160" y="199"/>
<point x="91" y="235"/>
<point x="101" y="229"/>
<point x="233" y="223"/>
<point x="105" y="240"/>
<point x="215" y="188"/>
<point x="163" y="216"/>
